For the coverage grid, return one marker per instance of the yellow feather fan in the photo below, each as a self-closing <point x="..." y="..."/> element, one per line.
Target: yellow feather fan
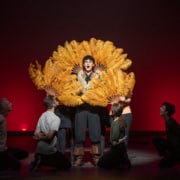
<point x="112" y="84"/>
<point x="59" y="77"/>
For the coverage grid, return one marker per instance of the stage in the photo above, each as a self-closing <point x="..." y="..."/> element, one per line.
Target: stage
<point x="141" y="152"/>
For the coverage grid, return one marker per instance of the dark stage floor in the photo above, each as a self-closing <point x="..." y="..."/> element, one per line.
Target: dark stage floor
<point x="142" y="154"/>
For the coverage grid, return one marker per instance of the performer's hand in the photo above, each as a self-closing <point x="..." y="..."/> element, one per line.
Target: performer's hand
<point x="122" y="139"/>
<point x="50" y="91"/>
<point x="99" y="68"/>
<point x="114" y="99"/>
<point x="35" y="137"/>
<point x="76" y="69"/>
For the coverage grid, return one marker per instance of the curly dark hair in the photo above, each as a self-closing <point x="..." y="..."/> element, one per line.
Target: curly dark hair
<point x="170" y="108"/>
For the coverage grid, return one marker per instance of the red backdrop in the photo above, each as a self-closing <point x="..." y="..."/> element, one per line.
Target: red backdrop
<point x="147" y="30"/>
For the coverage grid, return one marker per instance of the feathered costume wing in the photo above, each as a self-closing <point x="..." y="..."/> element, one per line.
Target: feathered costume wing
<point x="59" y="77"/>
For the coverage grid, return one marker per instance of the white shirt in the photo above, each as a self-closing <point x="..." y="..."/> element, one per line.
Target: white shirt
<point x="48" y="121"/>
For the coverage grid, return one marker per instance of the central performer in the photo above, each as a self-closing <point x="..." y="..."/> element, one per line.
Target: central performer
<point x="87" y="116"/>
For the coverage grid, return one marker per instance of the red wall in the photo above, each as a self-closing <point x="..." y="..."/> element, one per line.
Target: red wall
<point x="147" y="30"/>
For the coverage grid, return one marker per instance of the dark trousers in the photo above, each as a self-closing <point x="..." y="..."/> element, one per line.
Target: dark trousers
<point x="63" y="133"/>
<point x="115" y="157"/>
<point x="128" y="118"/>
<point x="87" y="119"/>
<point x="9" y="159"/>
<point x="57" y="160"/>
<point x="171" y="156"/>
<point x="161" y="145"/>
<point x="61" y="141"/>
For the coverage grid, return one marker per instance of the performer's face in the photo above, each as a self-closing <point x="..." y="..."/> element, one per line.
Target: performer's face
<point x="6" y="106"/>
<point x="88" y="65"/>
<point x="163" y="110"/>
<point x="56" y="101"/>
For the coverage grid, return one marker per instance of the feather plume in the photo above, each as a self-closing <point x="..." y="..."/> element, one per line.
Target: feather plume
<point x="59" y="75"/>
